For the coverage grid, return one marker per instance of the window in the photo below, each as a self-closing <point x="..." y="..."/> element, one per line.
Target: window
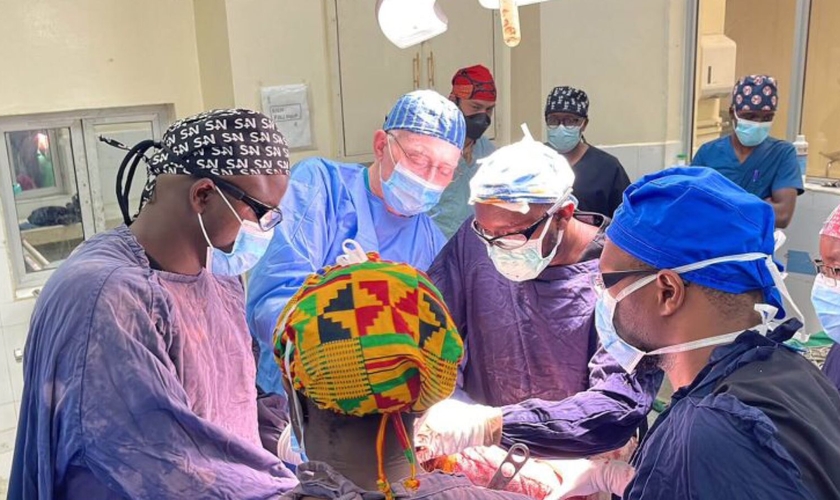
<point x="821" y="106"/>
<point x="738" y="38"/>
<point x="58" y="181"/>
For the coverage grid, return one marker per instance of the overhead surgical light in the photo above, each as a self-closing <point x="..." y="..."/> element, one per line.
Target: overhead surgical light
<point x="409" y="22"/>
<point x="494" y="4"/>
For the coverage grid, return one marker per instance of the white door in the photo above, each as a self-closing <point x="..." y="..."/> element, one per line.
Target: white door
<point x="469" y="40"/>
<point x="373" y="73"/>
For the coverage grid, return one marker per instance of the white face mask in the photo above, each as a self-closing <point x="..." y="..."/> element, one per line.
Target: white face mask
<point x="629" y="356"/>
<point x="526" y="262"/>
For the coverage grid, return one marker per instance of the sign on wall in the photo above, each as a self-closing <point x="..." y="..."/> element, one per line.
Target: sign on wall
<point x="288" y="106"/>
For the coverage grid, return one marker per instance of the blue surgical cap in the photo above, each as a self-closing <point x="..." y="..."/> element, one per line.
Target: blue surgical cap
<point x="428" y="113"/>
<point x="681" y="216"/>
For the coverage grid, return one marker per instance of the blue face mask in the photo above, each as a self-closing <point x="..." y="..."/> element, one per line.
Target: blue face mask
<point x="249" y="247"/>
<point x="825" y="296"/>
<point x="406" y="193"/>
<point x="750" y="133"/>
<point x="563" y="138"/>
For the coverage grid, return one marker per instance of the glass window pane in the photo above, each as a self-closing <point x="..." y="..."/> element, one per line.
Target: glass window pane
<point x="762" y="35"/>
<point x="821" y="109"/>
<point x="46" y="198"/>
<point x="33" y="168"/>
<point x="108" y="161"/>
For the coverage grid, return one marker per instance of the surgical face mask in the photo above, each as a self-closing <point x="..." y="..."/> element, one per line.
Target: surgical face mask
<point x="249" y="247"/>
<point x="563" y="138"/>
<point x="477" y="124"/>
<point x="526" y="262"/>
<point x="751" y="133"/>
<point x="408" y="194"/>
<point x="629" y="356"/>
<point x="825" y="296"/>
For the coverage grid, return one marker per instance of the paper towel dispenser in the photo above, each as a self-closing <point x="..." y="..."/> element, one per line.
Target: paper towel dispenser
<point x="717" y="65"/>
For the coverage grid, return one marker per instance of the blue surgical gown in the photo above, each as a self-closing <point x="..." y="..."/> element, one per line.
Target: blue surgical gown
<point x="326" y="203"/>
<point x="769" y="168"/>
<point x="139" y="384"/>
<point x="453" y="210"/>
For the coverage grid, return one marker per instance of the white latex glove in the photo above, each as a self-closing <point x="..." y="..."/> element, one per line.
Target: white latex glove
<point x="584" y="477"/>
<point x="452" y="426"/>
<point x="284" y="448"/>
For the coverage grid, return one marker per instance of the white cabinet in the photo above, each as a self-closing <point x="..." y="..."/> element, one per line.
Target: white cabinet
<point x="370" y="73"/>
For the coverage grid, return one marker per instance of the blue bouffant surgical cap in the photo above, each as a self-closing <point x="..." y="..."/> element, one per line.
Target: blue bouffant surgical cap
<point x="428" y="113"/>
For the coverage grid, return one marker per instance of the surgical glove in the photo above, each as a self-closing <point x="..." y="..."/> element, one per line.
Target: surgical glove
<point x="585" y="477"/>
<point x="452" y="426"/>
<point x="284" y="448"/>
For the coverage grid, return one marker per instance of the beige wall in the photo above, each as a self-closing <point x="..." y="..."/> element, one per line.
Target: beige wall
<point x="821" y="113"/>
<point x="625" y="55"/>
<point x="763" y="31"/>
<point x="62" y="55"/>
<point x="277" y="42"/>
<point x="526" y="93"/>
<point x="211" y="33"/>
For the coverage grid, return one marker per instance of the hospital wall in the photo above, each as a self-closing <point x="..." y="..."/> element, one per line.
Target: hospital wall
<point x="636" y="93"/>
<point x="83" y="54"/>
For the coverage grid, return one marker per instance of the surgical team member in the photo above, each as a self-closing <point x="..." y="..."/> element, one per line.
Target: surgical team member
<point x="600" y="179"/>
<point x="825" y="295"/>
<point x="364" y="349"/>
<point x="749" y="157"/>
<point x="474" y="91"/>
<point x="383" y="207"/>
<point x="688" y="283"/>
<point x="139" y="373"/>
<point x="517" y="279"/>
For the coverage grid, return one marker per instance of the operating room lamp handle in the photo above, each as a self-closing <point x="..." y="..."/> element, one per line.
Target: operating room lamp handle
<point x="416" y="70"/>
<point x="430" y="69"/>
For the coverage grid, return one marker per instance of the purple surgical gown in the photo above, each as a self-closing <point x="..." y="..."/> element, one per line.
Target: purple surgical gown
<point x="139" y="384"/>
<point x="532" y="348"/>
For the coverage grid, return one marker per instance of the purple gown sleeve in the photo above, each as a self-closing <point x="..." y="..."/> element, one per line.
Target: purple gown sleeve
<point x="597" y="420"/>
<point x="445" y="273"/>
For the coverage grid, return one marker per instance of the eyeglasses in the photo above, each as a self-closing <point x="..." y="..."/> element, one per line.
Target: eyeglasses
<point x="566" y="121"/>
<point x="829" y="272"/>
<point x="602" y="282"/>
<point x="267" y="216"/>
<point x="422" y="161"/>
<point x="510" y="241"/>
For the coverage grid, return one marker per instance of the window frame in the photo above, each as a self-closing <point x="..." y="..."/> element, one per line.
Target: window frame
<point x="85" y="169"/>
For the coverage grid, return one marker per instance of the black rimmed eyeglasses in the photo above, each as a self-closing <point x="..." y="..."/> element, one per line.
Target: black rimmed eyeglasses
<point x="268" y="217"/>
<point x="512" y="240"/>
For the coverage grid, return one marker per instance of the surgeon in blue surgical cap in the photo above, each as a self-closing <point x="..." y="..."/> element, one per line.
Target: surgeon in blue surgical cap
<point x="382" y="207"/>
<point x="688" y="283"/>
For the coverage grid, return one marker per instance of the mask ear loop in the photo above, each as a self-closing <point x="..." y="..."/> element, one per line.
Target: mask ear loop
<point x="802" y="334"/>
